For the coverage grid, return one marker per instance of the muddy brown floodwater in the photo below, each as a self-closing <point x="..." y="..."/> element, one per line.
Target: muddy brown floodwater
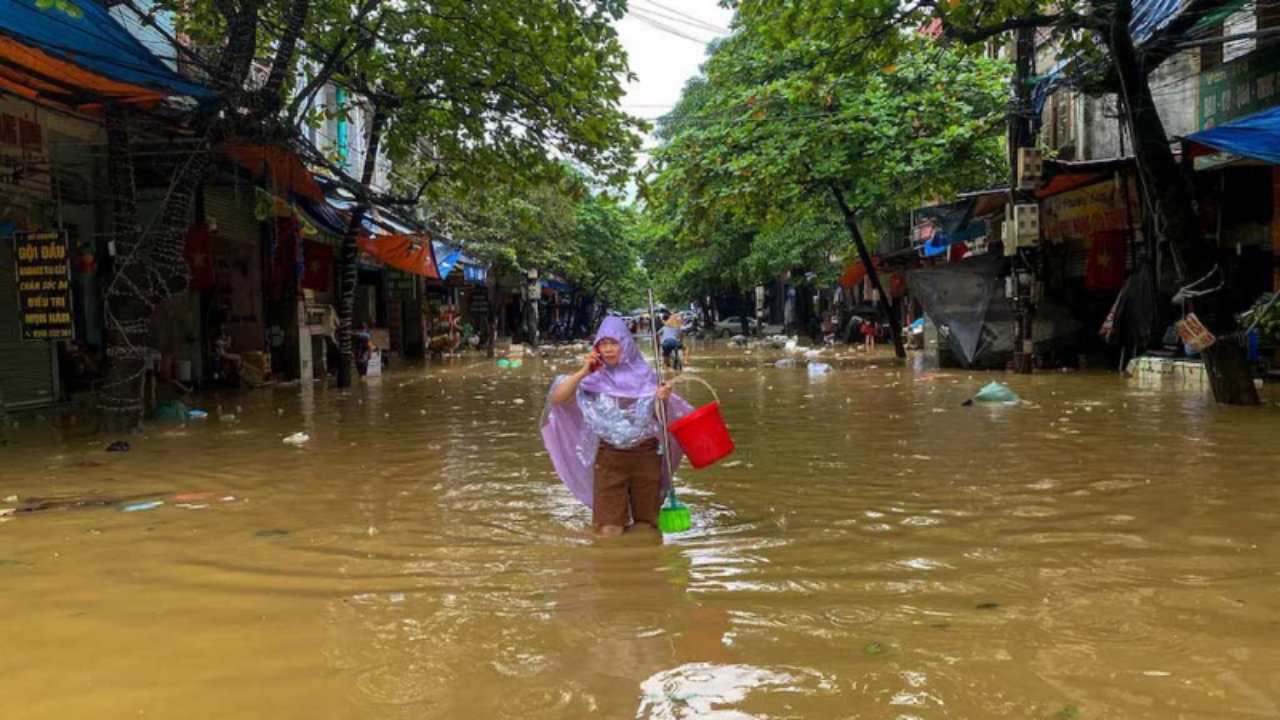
<point x="873" y="550"/>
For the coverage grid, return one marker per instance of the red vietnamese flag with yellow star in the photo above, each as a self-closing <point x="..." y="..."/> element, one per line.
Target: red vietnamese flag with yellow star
<point x="318" y="268"/>
<point x="1106" y="268"/>
<point x="199" y="259"/>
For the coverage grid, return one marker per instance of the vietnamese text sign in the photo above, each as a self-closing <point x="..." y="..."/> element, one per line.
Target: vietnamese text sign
<point x="1084" y="211"/>
<point x="1238" y="88"/>
<point x="44" y="285"/>
<point x="400" y="284"/>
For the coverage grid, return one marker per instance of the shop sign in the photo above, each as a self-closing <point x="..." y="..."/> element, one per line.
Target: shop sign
<point x="1080" y="213"/>
<point x="399" y="284"/>
<point x="1238" y="88"/>
<point x="472" y="273"/>
<point x="44" y="284"/>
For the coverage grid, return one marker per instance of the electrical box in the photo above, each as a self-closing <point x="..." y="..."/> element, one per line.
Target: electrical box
<point x="1021" y="227"/>
<point x="1030" y="168"/>
<point x="1026" y="220"/>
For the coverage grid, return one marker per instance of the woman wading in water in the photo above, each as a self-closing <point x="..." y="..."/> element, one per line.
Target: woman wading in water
<point x="603" y="432"/>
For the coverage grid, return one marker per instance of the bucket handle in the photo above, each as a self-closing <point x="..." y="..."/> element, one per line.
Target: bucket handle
<point x="690" y="378"/>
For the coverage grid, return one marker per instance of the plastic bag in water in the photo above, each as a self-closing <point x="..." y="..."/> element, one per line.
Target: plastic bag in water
<point x="995" y="392"/>
<point x="817" y="368"/>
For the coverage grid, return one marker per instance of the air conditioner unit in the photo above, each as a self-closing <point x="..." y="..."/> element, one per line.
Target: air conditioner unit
<point x="1030" y="168"/>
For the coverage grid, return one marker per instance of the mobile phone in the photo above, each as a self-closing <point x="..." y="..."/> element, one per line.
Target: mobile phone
<point x="596" y="364"/>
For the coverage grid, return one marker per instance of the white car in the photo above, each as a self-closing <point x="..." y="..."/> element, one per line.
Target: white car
<point x="730" y="326"/>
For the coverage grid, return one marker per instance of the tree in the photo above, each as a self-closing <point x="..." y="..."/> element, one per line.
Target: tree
<point x="606" y="258"/>
<point x="476" y="88"/>
<point x="1107" y="49"/>
<point x="462" y="88"/>
<point x="792" y="132"/>
<point x="567" y="226"/>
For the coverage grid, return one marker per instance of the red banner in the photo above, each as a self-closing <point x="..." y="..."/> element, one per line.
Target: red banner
<point x="1105" y="270"/>
<point x="319" y="266"/>
<point x="199" y="259"/>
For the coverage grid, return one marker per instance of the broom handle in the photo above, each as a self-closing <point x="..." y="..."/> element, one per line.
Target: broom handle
<point x="661" y="406"/>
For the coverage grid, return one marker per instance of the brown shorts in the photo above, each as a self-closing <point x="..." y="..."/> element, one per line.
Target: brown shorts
<point x="627" y="485"/>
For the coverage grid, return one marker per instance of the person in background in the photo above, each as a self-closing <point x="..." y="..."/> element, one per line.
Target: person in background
<point x="362" y="349"/>
<point x="672" y="338"/>
<point x="868" y="335"/>
<point x="229" y="363"/>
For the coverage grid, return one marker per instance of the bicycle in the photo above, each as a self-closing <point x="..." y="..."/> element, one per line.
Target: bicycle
<point x="675" y="360"/>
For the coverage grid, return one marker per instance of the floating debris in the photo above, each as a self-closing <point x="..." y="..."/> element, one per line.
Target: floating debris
<point x="995" y="393"/>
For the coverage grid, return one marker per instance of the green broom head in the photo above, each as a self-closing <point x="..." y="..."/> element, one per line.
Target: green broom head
<point x="674" y="516"/>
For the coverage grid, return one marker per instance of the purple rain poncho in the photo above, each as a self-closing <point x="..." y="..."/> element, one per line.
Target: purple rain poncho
<point x="572" y="433"/>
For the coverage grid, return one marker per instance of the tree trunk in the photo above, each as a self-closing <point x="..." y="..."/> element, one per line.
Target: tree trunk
<point x="349" y="256"/>
<point x="851" y="223"/>
<point x="128" y="312"/>
<point x="530" y="311"/>
<point x="286" y="48"/>
<point x="1172" y="200"/>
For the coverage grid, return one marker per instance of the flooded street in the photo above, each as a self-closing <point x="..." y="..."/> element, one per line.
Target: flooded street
<point x="873" y="550"/>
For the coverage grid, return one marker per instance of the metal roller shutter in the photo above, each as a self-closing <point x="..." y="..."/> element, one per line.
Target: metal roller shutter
<point x="26" y="367"/>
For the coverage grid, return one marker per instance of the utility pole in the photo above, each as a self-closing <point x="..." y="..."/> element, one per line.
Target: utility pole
<point x="1022" y="134"/>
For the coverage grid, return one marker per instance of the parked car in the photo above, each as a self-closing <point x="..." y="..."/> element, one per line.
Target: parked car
<point x="730" y="326"/>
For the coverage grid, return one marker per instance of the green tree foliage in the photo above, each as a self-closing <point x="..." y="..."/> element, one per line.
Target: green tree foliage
<point x="1103" y="47"/>
<point x="564" y="226"/>
<point x="759" y="156"/>
<point x="461" y="91"/>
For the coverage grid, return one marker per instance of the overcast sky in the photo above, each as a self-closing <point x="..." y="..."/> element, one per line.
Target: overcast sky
<point x="666" y="41"/>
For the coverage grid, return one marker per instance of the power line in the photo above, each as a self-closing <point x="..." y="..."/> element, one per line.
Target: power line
<point x="658" y="24"/>
<point x="683" y="18"/>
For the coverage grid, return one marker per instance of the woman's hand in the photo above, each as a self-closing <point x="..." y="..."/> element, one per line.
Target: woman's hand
<point x="591" y="363"/>
<point x="664" y="392"/>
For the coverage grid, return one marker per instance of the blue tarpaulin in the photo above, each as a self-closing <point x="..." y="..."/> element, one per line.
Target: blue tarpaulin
<point x="557" y="286"/>
<point x="455" y="257"/>
<point x="941" y="242"/>
<point x="322" y="215"/>
<point x="1151" y="15"/>
<point x="448" y="263"/>
<point x="75" y="52"/>
<point x="1255" y="136"/>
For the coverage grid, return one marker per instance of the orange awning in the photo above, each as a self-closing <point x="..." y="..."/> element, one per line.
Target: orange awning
<point x="278" y="167"/>
<point x="74" y="54"/>
<point x="856" y="272"/>
<point x="410" y="253"/>
<point x="34" y="75"/>
<point x="1070" y="181"/>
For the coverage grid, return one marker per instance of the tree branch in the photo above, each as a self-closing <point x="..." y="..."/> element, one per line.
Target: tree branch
<point x="980" y="33"/>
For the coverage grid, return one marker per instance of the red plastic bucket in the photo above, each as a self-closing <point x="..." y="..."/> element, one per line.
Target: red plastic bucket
<point x="703" y="436"/>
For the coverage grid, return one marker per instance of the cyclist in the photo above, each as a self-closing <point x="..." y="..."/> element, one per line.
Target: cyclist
<point x="672" y="339"/>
